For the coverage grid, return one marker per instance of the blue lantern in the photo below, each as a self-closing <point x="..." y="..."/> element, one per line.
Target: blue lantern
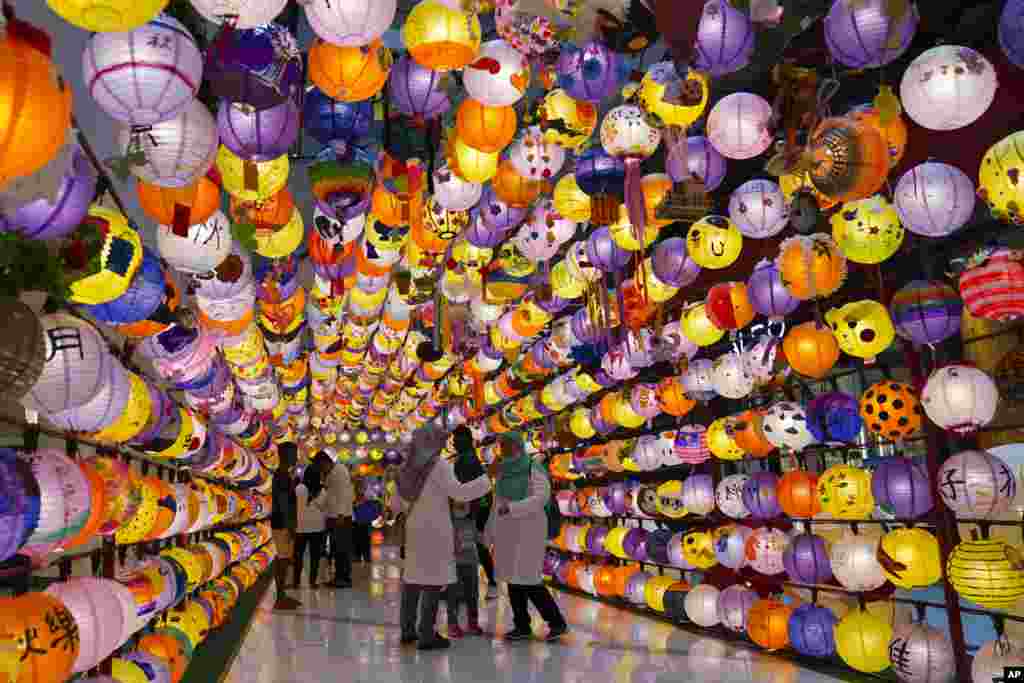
<point x="834" y="418"/>
<point x="326" y="119"/>
<point x="811" y="631"/>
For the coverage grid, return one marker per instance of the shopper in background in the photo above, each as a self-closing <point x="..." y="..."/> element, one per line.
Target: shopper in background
<point x="338" y="508"/>
<point x="283" y="521"/>
<point x="360" y="529"/>
<point x="426" y="483"/>
<point x="467" y="468"/>
<point x="466" y="589"/>
<point x="312" y="528"/>
<point x="518" y="529"/>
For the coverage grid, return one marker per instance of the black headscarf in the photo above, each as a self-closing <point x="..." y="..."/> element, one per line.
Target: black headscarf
<point x="311" y="478"/>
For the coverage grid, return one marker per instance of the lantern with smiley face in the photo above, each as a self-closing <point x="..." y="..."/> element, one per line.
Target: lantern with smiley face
<point x="862" y="328"/>
<point x="699" y="549"/>
<point x="714" y="242"/>
<point x="785" y="426"/>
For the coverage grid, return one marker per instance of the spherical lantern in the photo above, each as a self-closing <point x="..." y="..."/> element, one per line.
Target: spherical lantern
<point x="499" y="77"/>
<point x="739" y="125"/>
<point x="760" y="495"/>
<point x="785" y="425"/>
<point x="910" y="558"/>
<point x="720" y="441"/>
<point x="891" y="410"/>
<point x="759" y="209"/>
<point x="660" y="80"/>
<point x="845" y="492"/>
<point x="418" y="92"/>
<point x="765" y="549"/>
<point x="471" y="164"/>
<point x="862" y="641"/>
<point x="811" y="349"/>
<point x="921" y="654"/>
<point x="349" y="74"/>
<point x="935" y="199"/>
<point x="251" y="181"/>
<point x="851" y="159"/>
<point x="862" y="328"/>
<point x="701" y="161"/>
<point x="145" y="76"/>
<point x="734" y="605"/>
<point x="866" y="34"/>
<point x="534" y="157"/>
<point x="867" y="230"/>
<point x="174" y="152"/>
<point x="325" y="119"/>
<point x="993" y="657"/>
<point x="570" y="200"/>
<point x="748" y="432"/>
<point x="854" y="563"/>
<point x="714" y="242"/>
<point x="725" y="39"/>
<point x="591" y="72"/>
<point x="107" y="16"/>
<point x="672" y="264"/>
<point x="976" y="484"/>
<point x="702" y="605"/>
<point x="185" y="205"/>
<point x="729" y="496"/>
<point x="797" y="493"/>
<point x="926" y="312"/>
<point x="768" y="295"/>
<point x="728" y="306"/>
<point x="441" y="37"/>
<point x="768" y="624"/>
<point x="698" y="494"/>
<point x="566" y="121"/>
<point x="994" y="289"/>
<point x="76" y="366"/>
<point x="350" y="23"/>
<point x="242" y="14"/>
<point x="948" y="87"/>
<point x="258" y="134"/>
<point x="811" y="267"/>
<point x="96" y="608"/>
<point x="698" y="549"/>
<point x="731" y="545"/>
<point x="603" y="252"/>
<point x="36" y="114"/>
<point x="41" y="638"/>
<point x="960" y="398"/>
<point x="999" y="179"/>
<point x="902" y="486"/>
<point x="731" y="376"/>
<point x="811" y="631"/>
<point x="453" y="193"/>
<point x="488" y="129"/>
<point x="834" y="417"/>
<point x="690" y="445"/>
<point x="201" y="249"/>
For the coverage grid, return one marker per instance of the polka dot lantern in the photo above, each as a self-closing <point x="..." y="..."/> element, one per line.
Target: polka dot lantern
<point x="891" y="410"/>
<point x="867" y="230"/>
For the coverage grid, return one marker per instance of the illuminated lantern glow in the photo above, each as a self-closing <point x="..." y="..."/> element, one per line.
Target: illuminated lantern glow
<point x="696" y="325"/>
<point x="177" y="151"/>
<point x="570" y="200"/>
<point x="249" y="180"/>
<point x="76" y="368"/>
<point x="935" y="199"/>
<point x="51" y="656"/>
<point x="97" y="609"/>
<point x="768" y="624"/>
<point x="921" y="654"/>
<point x="926" y="312"/>
<point x="845" y="492"/>
<point x="910" y="558"/>
<point x="862" y="641"/>
<point x="349" y="74"/>
<point x="746" y="429"/>
<point x="734" y="605"/>
<point x="725" y="39"/>
<point x="759" y="495"/>
<point x="998" y="179"/>
<point x="193" y="203"/>
<point x="417" y="91"/>
<point x="655" y="85"/>
<point x="728" y="306"/>
<point x="768" y="295"/>
<point x="720" y="441"/>
<point x="811" y="631"/>
<point x="242" y="14"/>
<point x="731" y="376"/>
<point x="797" y="494"/>
<point x="995" y="289"/>
<point x="201" y="250"/>
<point x="867" y="230"/>
<point x="258" y="134"/>
<point x="834" y="417"/>
<point x="862" y="328"/>
<point x="502" y="87"/>
<point x="441" y="37"/>
<point x="714" y="242"/>
<point x="811" y="349"/>
<point x="701" y="161"/>
<point x="785" y="426"/>
<point x="851" y="159"/>
<point x="948" y="87"/>
<point x="351" y="23"/>
<point x="865" y="35"/>
<point x="854" y="562"/>
<point x="590" y="72"/>
<point x="730" y="546"/>
<point x="702" y="605"/>
<point x="960" y="398"/>
<point x="739" y="126"/>
<point x="806" y="559"/>
<point x="902" y="486"/>
<point x="565" y="121"/>
<point x="471" y="164"/>
<point x="759" y="209"/>
<point x="976" y="484"/>
<point x="488" y="129"/>
<point x="891" y="410"/>
<point x="729" y="496"/>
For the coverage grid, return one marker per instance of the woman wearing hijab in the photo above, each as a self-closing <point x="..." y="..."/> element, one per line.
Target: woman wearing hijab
<point x="425" y="484"/>
<point x="518" y="529"/>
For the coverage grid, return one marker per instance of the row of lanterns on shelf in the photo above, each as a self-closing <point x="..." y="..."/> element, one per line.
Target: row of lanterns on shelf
<point x="180" y="596"/>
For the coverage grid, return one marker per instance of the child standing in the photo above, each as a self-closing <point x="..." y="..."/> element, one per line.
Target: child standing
<point x="467" y="588"/>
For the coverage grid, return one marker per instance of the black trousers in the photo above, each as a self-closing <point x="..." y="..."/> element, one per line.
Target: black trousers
<point x="519" y="595"/>
<point x="341" y="549"/>
<point x="315" y="541"/>
<point x="465" y="591"/>
<point x="487" y="563"/>
<point x="361" y="541"/>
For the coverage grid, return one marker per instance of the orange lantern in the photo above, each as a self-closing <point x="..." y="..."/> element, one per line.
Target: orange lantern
<point x="672" y="398"/>
<point x="812" y="267"/>
<point x="850" y="158"/>
<point x="894" y="133"/>
<point x="654" y="187"/>
<point x="728" y="306"/>
<point x="488" y="129"/>
<point x="231" y="328"/>
<point x="768" y="624"/>
<point x="349" y="74"/>
<point x="169" y="649"/>
<point x="811" y="349"/>
<point x="748" y="435"/>
<point x="440" y="36"/>
<point x="164" y="513"/>
<point x="367" y="267"/>
<point x="604" y="581"/>
<point x="395" y="209"/>
<point x="266" y="214"/>
<point x="622" y="576"/>
<point x="797" y="494"/>
<point x="39" y="638"/>
<point x="607" y="405"/>
<point x="513" y="189"/>
<point x="180" y="206"/>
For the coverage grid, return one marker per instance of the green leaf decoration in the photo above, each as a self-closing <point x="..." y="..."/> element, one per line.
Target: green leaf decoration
<point x="245" y="233"/>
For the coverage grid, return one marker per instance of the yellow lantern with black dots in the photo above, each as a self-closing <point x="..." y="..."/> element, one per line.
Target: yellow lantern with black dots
<point x="862" y="328"/>
<point x="868" y="230"/>
<point x="714" y="242"/>
<point x="699" y="549"/>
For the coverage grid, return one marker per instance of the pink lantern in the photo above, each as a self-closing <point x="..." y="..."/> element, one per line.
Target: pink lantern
<point x="948" y="87"/>
<point x="691" y="444"/>
<point x="995" y="288"/>
<point x="765" y="550"/>
<point x="626" y="134"/>
<point x="976" y="484"/>
<point x="350" y="23"/>
<point x="98" y="612"/>
<point x="759" y="209"/>
<point x="534" y="157"/>
<point x="64" y="501"/>
<point x="739" y="125"/>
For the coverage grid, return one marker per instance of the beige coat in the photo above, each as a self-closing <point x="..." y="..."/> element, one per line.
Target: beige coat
<point x="521" y="537"/>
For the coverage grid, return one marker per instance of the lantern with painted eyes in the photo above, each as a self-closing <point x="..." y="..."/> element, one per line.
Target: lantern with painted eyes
<point x="699" y="549"/>
<point x="714" y="242"/>
<point x="671" y="501"/>
<point x="845" y="492"/>
<point x="785" y="426"/>
<point x="862" y="328"/>
<point x="765" y="548"/>
<point x="748" y="433"/>
<point x="534" y="158"/>
<point x="867" y="230"/>
<point x="499" y="76"/>
<point x="720" y="441"/>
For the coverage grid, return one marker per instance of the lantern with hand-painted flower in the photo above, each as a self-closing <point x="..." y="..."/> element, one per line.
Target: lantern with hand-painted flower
<point x="498" y="77"/>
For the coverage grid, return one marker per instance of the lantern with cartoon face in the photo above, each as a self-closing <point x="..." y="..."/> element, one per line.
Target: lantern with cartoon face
<point x="714" y="242"/>
<point x="699" y="549"/>
<point x="867" y="230"/>
<point x="765" y="548"/>
<point x="862" y="328"/>
<point x="785" y="426"/>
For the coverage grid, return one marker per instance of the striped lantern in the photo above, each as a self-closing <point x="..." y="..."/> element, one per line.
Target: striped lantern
<point x="989" y="573"/>
<point x="64" y="501"/>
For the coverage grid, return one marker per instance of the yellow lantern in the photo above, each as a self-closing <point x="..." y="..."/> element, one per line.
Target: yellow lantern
<point x="107" y="16"/>
<point x="697" y="326"/>
<point x="282" y="241"/>
<point x="613" y="542"/>
<point x="440" y="37"/>
<point x="987" y="572"/>
<point x="580" y="424"/>
<point x="720" y="441"/>
<point x="133" y="418"/>
<point x="570" y="200"/>
<point x="126" y="671"/>
<point x="113" y="278"/>
<point x="714" y="242"/>
<point x="625" y="415"/>
<point x="563" y="284"/>
<point x="699" y="549"/>
<point x="251" y="180"/>
<point x="657" y="291"/>
<point x="625" y="236"/>
<point x="845" y="492"/>
<point x="472" y="164"/>
<point x="867" y="230"/>
<point x="862" y="328"/>
<point x="999" y="180"/>
<point x="910" y="558"/>
<point x="862" y="641"/>
<point x="652" y="98"/>
<point x="566" y="121"/>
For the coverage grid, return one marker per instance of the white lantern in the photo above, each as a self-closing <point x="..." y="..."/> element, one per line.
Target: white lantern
<point x="626" y="132"/>
<point x="698" y="498"/>
<point x="350" y="22"/>
<point x="948" y="87"/>
<point x="201" y="250"/>
<point x="921" y="654"/>
<point x="701" y="605"/>
<point x="453" y="193"/>
<point x="785" y="426"/>
<point x="739" y="126"/>
<point x="731" y="377"/>
<point x="76" y="368"/>
<point x="144" y="76"/>
<point x="960" y="398"/>
<point x="177" y="151"/>
<point x="503" y="88"/>
<point x="759" y="209"/>
<point x="729" y="496"/>
<point x="534" y="158"/>
<point x="934" y="199"/>
<point x="98" y="609"/>
<point x="242" y="14"/>
<point x="854" y="563"/>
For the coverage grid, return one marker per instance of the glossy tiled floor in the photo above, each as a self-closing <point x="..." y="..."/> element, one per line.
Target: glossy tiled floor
<point x="352" y="637"/>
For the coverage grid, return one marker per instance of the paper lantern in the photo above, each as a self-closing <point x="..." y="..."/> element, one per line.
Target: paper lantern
<point x="40" y="640"/>
<point x="811" y="349"/>
<point x="993" y="657"/>
<point x="153" y="668"/>
<point x="326" y="120"/>
<point x="714" y="242"/>
<point x="997" y="177"/>
<point x="759" y="495"/>
<point x="201" y="250"/>
<point x="349" y="74"/>
<point x="698" y="549"/>
<point x="534" y="157"/>
<point x="796" y="492"/>
<point x="891" y="410"/>
<point x="960" y="398"/>
<point x="976" y="484"/>
<point x="96" y="608"/>
<point x="748" y="433"/>
<point x="720" y="441"/>
<point x="739" y="125"/>
<point x="910" y="558"/>
<point x="191" y="204"/>
<point x="730" y="543"/>
<point x="659" y="80"/>
<point x="143" y="76"/>
<point x="851" y="159"/>
<point x="768" y="624"/>
<point x="725" y="39"/>
<point x="995" y="289"/>
<point x="806" y="559"/>
<point x="867" y="230"/>
<point x="20" y="512"/>
<point x="768" y="295"/>
<point x="811" y="267"/>
<point x="926" y="312"/>
<point x="921" y="654"/>
<point x="168" y="648"/>
<point x="734" y="605"/>
<point x="565" y="121"/>
<point x="107" y="16"/>
<point x="697" y="326"/>
<point x="75" y="369"/>
<point x="590" y="72"/>
<point x="416" y="91"/>
<point x="36" y="109"/>
<point x="701" y="162"/>
<point x="174" y="152"/>
<point x="845" y="492"/>
<point x="698" y="494"/>
<point x="258" y="134"/>
<point x="351" y="23"/>
<point x="862" y="328"/>
<point x="867" y="34"/>
<point x="834" y="417"/>
<point x="441" y="37"/>
<point x="728" y="306"/>
<point x="242" y="14"/>
<point x="690" y="445"/>
<point x="765" y="548"/>
<point x="854" y="563"/>
<point x="570" y="200"/>
<point x="785" y="426"/>
<point x="499" y="77"/>
<point x="935" y="199"/>
<point x="811" y="631"/>
<point x="862" y="641"/>
<point x="488" y="129"/>
<point x="759" y="209"/>
<point x="251" y="181"/>
<point x="702" y="605"/>
<point x="472" y="164"/>
<point x="948" y="87"/>
<point x="731" y="376"/>
<point x="902" y="486"/>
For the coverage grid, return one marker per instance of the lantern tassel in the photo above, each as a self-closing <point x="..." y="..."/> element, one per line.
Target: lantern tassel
<point x="635" y="204"/>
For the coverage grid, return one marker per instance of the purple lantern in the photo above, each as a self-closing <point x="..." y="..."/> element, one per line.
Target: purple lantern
<point x="19" y="504"/>
<point x="862" y="35"/>
<point x="834" y="417"/>
<point x="595" y="540"/>
<point x="806" y="559"/>
<point x="635" y="544"/>
<point x="672" y="263"/>
<point x="604" y="254"/>
<point x="416" y="90"/>
<point x="926" y="312"/>
<point x="325" y="119"/>
<point x="768" y="295"/>
<point x="552" y="561"/>
<point x="657" y="546"/>
<point x="734" y="605"/>
<point x="1011" y="31"/>
<point x="553" y="305"/>
<point x="102" y="410"/>
<point x="598" y="173"/>
<point x="902" y="486"/>
<point x="258" y="134"/>
<point x="583" y="328"/>
<point x="45" y="220"/>
<point x="812" y="631"/>
<point x="759" y="495"/>
<point x="144" y="295"/>
<point x="481" y="235"/>
<point x="730" y="543"/>
<point x="498" y="215"/>
<point x="725" y="39"/>
<point x="635" y="587"/>
<point x="615" y="498"/>
<point x="759" y="209"/>
<point x="701" y="161"/>
<point x="591" y="73"/>
<point x="934" y="199"/>
<point x="261" y="67"/>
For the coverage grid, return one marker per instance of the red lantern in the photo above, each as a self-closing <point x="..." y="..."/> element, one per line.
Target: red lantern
<point x="995" y="289"/>
<point x="728" y="306"/>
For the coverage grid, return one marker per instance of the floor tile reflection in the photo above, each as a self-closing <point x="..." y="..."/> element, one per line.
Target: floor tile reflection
<point x="352" y="637"/>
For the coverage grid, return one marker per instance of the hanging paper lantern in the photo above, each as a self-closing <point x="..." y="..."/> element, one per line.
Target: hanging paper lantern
<point x="785" y="425"/>
<point x="764" y="550"/>
<point x="590" y="72"/>
<point x="671" y="263"/>
<point x="948" y="87"/>
<point x="992" y="658"/>
<point x="739" y="125"/>
<point x="353" y="23"/>
<point x="534" y="157"/>
<point x="258" y="66"/>
<point x="926" y="312"/>
<point x="811" y="349"/>
<point x="768" y="295"/>
<point x="714" y="242"/>
<point x="416" y="91"/>
<point x="184" y="206"/>
<point x="258" y="134"/>
<point x="698" y="549"/>
<point x="731" y="376"/>
<point x="251" y="181"/>
<point x="499" y="77"/>
<point x="867" y="230"/>
<point x="488" y="129"/>
<point x="97" y="610"/>
<point x="734" y="605"/>
<point x="994" y="289"/>
<point x="453" y="193"/>
<point x="998" y="179"/>
<point x="690" y="444"/>
<point x="725" y="39"/>
<point x="659" y="80"/>
<point x="851" y="159"/>
<point x="174" y="152"/>
<point x="242" y="14"/>
<point x="48" y="219"/>
<point x="935" y="199"/>
<point x="910" y="558"/>
<point x="142" y="298"/>
<point x="76" y="366"/>
<point x="976" y="484"/>
<point x="768" y="624"/>
<point x="960" y="398"/>
<point x="811" y="631"/>
<point x="902" y="486"/>
<point x="702" y="605"/>
<point x="891" y="410"/>
<point x="854" y="563"/>
<point x="747" y="432"/>
<point x="845" y="492"/>
<point x="604" y="253"/>
<point x="701" y="161"/>
<point x="759" y="495"/>
<point x="921" y="654"/>
<point x="326" y="119"/>
<point x="728" y="306"/>
<point x="862" y="328"/>
<point x="862" y="641"/>
<point x="570" y="200"/>
<point x="720" y="441"/>
<point x="867" y="34"/>
<point x="731" y="546"/>
<point x="729" y="496"/>
<point x="471" y="164"/>
<point x="759" y="209"/>
<point x="797" y="493"/>
<point x="811" y="266"/>
<point x="41" y="639"/>
<point x="566" y="121"/>
<point x="201" y="249"/>
<point x="144" y="76"/>
<point x="349" y="74"/>
<point x="36" y="115"/>
<point x="806" y="559"/>
<point x="834" y="417"/>
<point x="110" y="17"/>
<point x="441" y="37"/>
